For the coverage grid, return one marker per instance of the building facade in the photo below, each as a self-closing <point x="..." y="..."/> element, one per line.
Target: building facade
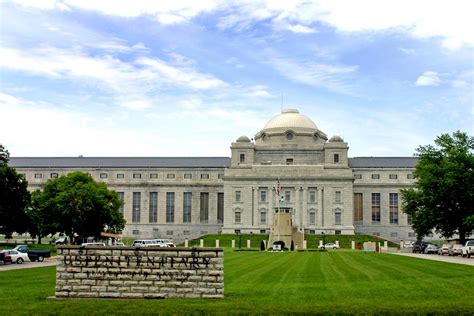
<point x="184" y="197"/>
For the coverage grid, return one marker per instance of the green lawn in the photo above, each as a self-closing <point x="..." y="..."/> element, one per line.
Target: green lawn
<point x="301" y="282"/>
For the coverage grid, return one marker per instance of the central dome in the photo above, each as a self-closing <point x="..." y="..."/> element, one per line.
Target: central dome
<point x="290" y="119"/>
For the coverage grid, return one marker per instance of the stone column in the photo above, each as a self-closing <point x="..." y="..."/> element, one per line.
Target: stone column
<point x="256" y="215"/>
<point x="297" y="208"/>
<point x="248" y="243"/>
<point x="353" y="244"/>
<point x="233" y="243"/>
<point x="320" y="243"/>
<point x="217" y="243"/>
<point x="305" y="244"/>
<point x="201" y="243"/>
<point x="320" y="220"/>
<point x="337" y="242"/>
<point x="186" y="243"/>
<point x="304" y="208"/>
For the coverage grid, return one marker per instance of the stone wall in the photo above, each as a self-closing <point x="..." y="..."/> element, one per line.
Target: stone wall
<point x="124" y="272"/>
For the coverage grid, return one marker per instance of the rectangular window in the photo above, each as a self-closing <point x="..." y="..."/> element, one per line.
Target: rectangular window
<point x="409" y="219"/>
<point x="103" y="176"/>
<point x="242" y="158"/>
<point x="393" y="176"/>
<point x="357" y="176"/>
<point x="393" y="234"/>
<point x="204" y="175"/>
<point x="220" y="208"/>
<point x="375" y="176"/>
<point x="220" y="176"/>
<point x="122" y="198"/>
<point x="393" y="208"/>
<point x="411" y="235"/>
<point x="153" y="175"/>
<point x="120" y="176"/>
<point x="53" y="175"/>
<point x="358" y="209"/>
<point x="238" y="196"/>
<point x="237" y="218"/>
<point x="170" y="207"/>
<point x="204" y="212"/>
<point x="263" y="218"/>
<point x="170" y="176"/>
<point x="312" y="218"/>
<point x="136" y="205"/>
<point x="188" y="175"/>
<point x="169" y="233"/>
<point x="312" y="196"/>
<point x="337" y="217"/>
<point x="187" y="206"/>
<point x="410" y="176"/>
<point x="287" y="196"/>
<point x="336" y="158"/>
<point x="263" y="196"/>
<point x="153" y="208"/>
<point x="186" y="232"/>
<point x="337" y="197"/>
<point x="135" y="232"/>
<point x="289" y="161"/>
<point x="137" y="176"/>
<point x="38" y="175"/>
<point x="375" y="208"/>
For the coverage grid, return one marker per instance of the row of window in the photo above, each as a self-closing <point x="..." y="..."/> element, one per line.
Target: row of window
<point x="376" y="176"/>
<point x="169" y="176"/>
<point x="311" y="215"/>
<point x="170" y="207"/>
<point x="288" y="196"/>
<point x="375" y="208"/>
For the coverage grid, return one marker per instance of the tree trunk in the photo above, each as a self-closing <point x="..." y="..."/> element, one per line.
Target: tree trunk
<point x="462" y="236"/>
<point x="39" y="239"/>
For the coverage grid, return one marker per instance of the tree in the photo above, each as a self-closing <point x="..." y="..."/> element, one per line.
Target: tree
<point x="14" y="197"/>
<point x="76" y="205"/>
<point x="443" y="196"/>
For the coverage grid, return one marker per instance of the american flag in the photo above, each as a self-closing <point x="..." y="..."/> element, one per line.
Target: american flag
<point x="277" y="188"/>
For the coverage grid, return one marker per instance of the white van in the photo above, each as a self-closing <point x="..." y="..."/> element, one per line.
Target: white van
<point x="84" y="244"/>
<point x="164" y="243"/>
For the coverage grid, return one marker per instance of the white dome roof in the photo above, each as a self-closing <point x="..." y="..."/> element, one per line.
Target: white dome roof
<point x="290" y="119"/>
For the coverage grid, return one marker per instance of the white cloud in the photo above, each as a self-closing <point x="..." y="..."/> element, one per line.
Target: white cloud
<point x="428" y="78"/>
<point x="331" y="77"/>
<point x="298" y="28"/>
<point x="450" y="21"/>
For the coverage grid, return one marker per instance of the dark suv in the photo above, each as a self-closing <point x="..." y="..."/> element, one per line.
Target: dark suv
<point x="419" y="247"/>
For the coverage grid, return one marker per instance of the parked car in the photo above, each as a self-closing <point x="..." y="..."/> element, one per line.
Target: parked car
<point x="15" y="256"/>
<point x="4" y="258"/>
<point x="164" y="243"/>
<point x="61" y="241"/>
<point x="85" y="244"/>
<point x="145" y="243"/>
<point x="444" y="249"/>
<point x="430" y="248"/>
<point x="408" y="244"/>
<point x="468" y="249"/>
<point x="419" y="247"/>
<point x="33" y="255"/>
<point x="455" y="250"/>
<point x="329" y="245"/>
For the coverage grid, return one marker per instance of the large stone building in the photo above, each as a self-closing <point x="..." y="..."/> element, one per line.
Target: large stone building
<point x="324" y="190"/>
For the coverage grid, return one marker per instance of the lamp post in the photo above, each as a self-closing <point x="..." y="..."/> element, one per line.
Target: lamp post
<point x="324" y="242"/>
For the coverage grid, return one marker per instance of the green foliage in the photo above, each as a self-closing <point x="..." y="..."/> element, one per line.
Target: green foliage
<point x="443" y="197"/>
<point x="266" y="283"/>
<point x="75" y="204"/>
<point x="14" y="197"/>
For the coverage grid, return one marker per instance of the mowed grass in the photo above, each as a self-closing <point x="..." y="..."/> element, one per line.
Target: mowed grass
<point x="274" y="283"/>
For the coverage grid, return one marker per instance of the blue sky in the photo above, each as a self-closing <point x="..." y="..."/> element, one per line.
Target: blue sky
<point x="186" y="78"/>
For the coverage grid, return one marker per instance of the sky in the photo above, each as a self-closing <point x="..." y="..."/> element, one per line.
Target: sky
<point x="187" y="78"/>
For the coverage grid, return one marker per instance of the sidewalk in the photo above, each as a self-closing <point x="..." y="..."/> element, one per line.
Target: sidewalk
<point x="450" y="259"/>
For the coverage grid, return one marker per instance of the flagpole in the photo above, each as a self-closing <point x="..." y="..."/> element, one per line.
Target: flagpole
<point x="279" y="201"/>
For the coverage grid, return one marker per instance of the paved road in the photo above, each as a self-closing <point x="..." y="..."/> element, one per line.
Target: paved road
<point x="453" y="259"/>
<point x="26" y="265"/>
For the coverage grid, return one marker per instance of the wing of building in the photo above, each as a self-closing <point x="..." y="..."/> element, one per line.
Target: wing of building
<point x="289" y="164"/>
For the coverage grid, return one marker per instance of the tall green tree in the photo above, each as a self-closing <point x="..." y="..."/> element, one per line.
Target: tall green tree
<point x="443" y="196"/>
<point x="76" y="205"/>
<point x="14" y="197"/>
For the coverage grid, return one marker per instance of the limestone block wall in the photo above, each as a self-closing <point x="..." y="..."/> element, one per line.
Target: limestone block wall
<point x="124" y="272"/>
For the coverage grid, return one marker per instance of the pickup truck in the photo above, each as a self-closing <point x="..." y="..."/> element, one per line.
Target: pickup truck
<point x="34" y="254"/>
<point x="468" y="249"/>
